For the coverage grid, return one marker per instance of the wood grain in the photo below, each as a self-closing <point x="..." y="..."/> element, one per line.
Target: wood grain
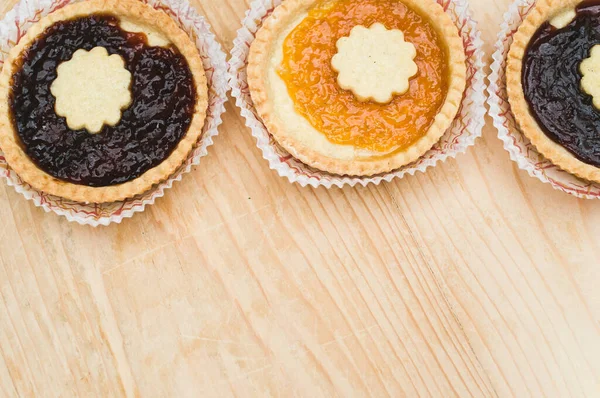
<point x="471" y="280"/>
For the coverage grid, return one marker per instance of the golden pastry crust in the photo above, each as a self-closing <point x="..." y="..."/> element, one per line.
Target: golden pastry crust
<point x="542" y="12"/>
<point x="26" y="168"/>
<point x="260" y="58"/>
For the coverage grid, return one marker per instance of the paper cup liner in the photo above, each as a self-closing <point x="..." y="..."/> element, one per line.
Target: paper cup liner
<point x="27" y="12"/>
<point x="461" y="135"/>
<point x="519" y="147"/>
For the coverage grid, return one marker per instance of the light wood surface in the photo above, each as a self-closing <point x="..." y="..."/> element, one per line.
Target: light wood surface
<point x="471" y="280"/>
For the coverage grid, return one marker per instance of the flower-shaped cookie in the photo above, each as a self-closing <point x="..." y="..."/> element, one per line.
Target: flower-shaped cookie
<point x="590" y="69"/>
<point x="375" y="63"/>
<point x="92" y="89"/>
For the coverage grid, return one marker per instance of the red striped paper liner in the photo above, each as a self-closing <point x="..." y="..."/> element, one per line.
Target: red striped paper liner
<point x="518" y="146"/>
<point x="14" y="26"/>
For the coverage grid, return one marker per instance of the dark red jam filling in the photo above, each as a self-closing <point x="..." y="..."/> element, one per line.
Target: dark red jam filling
<point x="552" y="83"/>
<point x="163" y="93"/>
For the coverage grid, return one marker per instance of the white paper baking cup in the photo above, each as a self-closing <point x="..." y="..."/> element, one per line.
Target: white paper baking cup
<point x="27" y="12"/>
<point x="461" y="135"/>
<point x="518" y="146"/>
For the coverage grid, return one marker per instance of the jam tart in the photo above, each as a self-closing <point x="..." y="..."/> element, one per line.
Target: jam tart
<point x="357" y="87"/>
<point x="101" y="100"/>
<point x="553" y="83"/>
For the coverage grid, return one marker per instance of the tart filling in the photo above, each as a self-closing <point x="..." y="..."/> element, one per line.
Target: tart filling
<point x="163" y="97"/>
<point x="337" y="113"/>
<point x="307" y="72"/>
<point x="554" y="82"/>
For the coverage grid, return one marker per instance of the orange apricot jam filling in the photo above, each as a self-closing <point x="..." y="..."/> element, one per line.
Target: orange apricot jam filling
<point x="312" y="83"/>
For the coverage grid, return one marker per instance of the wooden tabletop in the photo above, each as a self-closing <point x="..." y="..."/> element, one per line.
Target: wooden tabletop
<point x="470" y="280"/>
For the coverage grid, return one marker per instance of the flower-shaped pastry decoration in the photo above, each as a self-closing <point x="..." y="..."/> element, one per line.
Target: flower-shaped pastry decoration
<point x="590" y="69"/>
<point x="92" y="89"/>
<point x="375" y="63"/>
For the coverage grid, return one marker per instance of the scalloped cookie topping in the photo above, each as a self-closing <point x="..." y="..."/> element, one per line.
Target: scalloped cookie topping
<point x="375" y="63"/>
<point x="92" y="89"/>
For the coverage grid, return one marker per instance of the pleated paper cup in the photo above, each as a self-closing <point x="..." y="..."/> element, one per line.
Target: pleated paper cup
<point x="515" y="142"/>
<point x="460" y="136"/>
<point x="27" y="12"/>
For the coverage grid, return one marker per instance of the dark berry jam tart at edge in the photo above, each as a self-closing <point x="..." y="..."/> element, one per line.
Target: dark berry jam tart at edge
<point x="155" y="132"/>
<point x="544" y="83"/>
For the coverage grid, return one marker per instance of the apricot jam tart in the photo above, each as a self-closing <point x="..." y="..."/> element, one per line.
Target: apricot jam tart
<point x="101" y="100"/>
<point x="553" y="83"/>
<point x="357" y="87"/>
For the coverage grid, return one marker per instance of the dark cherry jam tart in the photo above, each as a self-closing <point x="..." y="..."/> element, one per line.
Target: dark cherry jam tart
<point x="101" y="100"/>
<point x="554" y="86"/>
